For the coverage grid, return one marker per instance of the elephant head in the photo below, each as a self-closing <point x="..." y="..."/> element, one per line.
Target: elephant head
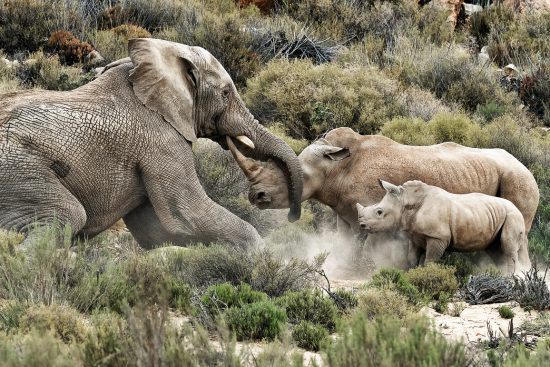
<point x="192" y="91"/>
<point x="267" y="179"/>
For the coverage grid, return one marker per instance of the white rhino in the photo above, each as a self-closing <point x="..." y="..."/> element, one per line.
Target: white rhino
<point x="436" y="220"/>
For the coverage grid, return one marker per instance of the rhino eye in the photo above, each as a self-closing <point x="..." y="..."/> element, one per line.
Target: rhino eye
<point x="379" y="212"/>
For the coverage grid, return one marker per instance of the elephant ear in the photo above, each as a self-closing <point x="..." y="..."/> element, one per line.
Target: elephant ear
<point x="165" y="80"/>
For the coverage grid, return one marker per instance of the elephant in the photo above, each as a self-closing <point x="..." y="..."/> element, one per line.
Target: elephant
<point x="435" y="220"/>
<point x="343" y="168"/>
<point x="121" y="147"/>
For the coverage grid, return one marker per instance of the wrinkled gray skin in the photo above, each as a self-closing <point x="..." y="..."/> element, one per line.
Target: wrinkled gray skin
<point x="120" y="146"/>
<point x="343" y="169"/>
<point x="436" y="220"/>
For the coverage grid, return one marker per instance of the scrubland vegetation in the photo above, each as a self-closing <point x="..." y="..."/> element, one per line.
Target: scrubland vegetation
<point x="379" y="67"/>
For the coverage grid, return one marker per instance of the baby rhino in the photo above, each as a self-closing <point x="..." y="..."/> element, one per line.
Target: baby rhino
<point x="436" y="220"/>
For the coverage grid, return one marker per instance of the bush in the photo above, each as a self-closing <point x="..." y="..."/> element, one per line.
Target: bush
<point x="531" y="292"/>
<point x="309" y="100"/>
<point x="388" y="341"/>
<point x="384" y="302"/>
<point x="219" y="297"/>
<point x="395" y="280"/>
<point x="48" y="73"/>
<point x="256" y="321"/>
<point x="535" y="92"/>
<point x="69" y="48"/>
<point x="345" y="300"/>
<point x="434" y="280"/>
<point x="64" y="322"/>
<point x="505" y="312"/>
<point x="104" y="343"/>
<point x="463" y="263"/>
<point x="26" y="24"/>
<point x="539" y="326"/>
<point x="112" y="44"/>
<point x="153" y="15"/>
<point x="309" y="336"/>
<point x="443" y="127"/>
<point x="37" y="349"/>
<point x="450" y="73"/>
<point x="10" y="314"/>
<point x="203" y="266"/>
<point x="309" y="305"/>
<point x="488" y="288"/>
<point x="274" y="275"/>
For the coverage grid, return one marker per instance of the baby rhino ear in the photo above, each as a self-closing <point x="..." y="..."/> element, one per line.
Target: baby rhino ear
<point x="390" y="188"/>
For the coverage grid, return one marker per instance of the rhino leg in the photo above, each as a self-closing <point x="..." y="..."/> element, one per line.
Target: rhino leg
<point x="435" y="248"/>
<point x="511" y="240"/>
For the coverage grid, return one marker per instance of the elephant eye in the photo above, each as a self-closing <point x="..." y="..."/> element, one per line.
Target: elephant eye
<point x="226" y="93"/>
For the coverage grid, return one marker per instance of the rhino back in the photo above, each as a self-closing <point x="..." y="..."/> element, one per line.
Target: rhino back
<point x="453" y="167"/>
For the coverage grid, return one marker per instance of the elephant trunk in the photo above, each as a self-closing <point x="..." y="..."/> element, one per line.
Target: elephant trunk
<point x="268" y="146"/>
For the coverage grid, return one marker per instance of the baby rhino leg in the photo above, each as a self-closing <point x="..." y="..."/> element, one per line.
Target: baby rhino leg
<point x="435" y="248"/>
<point x="512" y="239"/>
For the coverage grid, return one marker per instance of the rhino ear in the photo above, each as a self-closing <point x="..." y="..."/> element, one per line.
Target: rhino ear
<point x="165" y="80"/>
<point x="334" y="153"/>
<point x="390" y="188"/>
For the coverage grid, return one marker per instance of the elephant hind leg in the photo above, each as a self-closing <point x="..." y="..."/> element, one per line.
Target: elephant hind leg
<point x="42" y="204"/>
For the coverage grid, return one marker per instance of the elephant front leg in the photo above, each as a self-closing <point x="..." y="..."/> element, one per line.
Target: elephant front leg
<point x="179" y="211"/>
<point x="147" y="230"/>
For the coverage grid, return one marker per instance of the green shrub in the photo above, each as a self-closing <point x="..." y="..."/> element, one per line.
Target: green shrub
<point x="523" y="357"/>
<point x="219" y="297"/>
<point x="463" y="263"/>
<point x="434" y="280"/>
<point x="310" y="99"/>
<point x="539" y="326"/>
<point x="10" y="314"/>
<point x="535" y="92"/>
<point x="449" y="72"/>
<point x="408" y="131"/>
<point x="345" y="300"/>
<point x="526" y="145"/>
<point x="505" y="312"/>
<point x="395" y="279"/>
<point x="25" y="25"/>
<point x="441" y="305"/>
<point x="443" y="127"/>
<point x="153" y="15"/>
<point x="179" y="294"/>
<point x="490" y="111"/>
<point x="275" y="275"/>
<point x="482" y="23"/>
<point x="309" y="336"/>
<point x="531" y="291"/>
<point x="48" y="73"/>
<point x="64" y="322"/>
<point x="389" y="341"/>
<point x="309" y="305"/>
<point x="203" y="266"/>
<point x="112" y="44"/>
<point x="456" y="128"/>
<point x="37" y="349"/>
<point x="104" y="343"/>
<point x="384" y="302"/>
<point x="256" y="321"/>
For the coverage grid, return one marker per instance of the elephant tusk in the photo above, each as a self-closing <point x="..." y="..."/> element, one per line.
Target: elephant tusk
<point x="246" y="141"/>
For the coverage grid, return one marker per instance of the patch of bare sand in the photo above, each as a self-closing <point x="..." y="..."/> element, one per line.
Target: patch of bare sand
<point x="471" y="324"/>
